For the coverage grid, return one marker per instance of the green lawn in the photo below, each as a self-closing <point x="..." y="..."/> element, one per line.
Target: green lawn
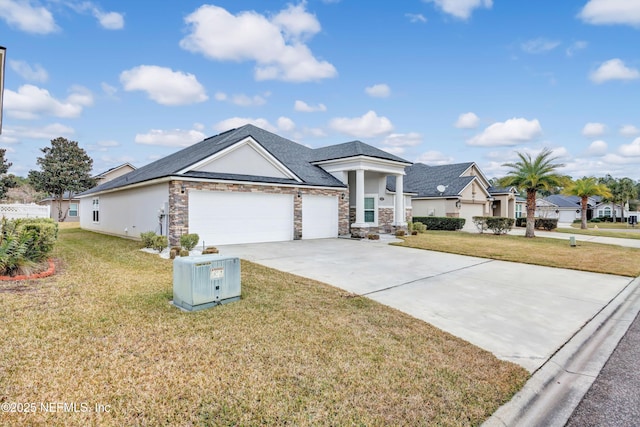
<point x="603" y="232"/>
<point x="292" y="351"/>
<point x="550" y="252"/>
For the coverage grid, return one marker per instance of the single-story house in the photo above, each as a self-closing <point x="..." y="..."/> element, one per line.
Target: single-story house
<point x="71" y="203"/>
<point x="458" y="190"/>
<point x="70" y="207"/>
<point x="250" y="185"/>
<point x="569" y="208"/>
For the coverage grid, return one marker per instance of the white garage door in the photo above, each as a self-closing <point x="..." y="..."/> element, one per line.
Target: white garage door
<point x="222" y="218"/>
<point x="319" y="216"/>
<point x="468" y="211"/>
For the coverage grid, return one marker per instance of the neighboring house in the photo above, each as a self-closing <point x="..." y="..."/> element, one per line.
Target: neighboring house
<point x="569" y="208"/>
<point x="113" y="173"/>
<point x="71" y="204"/>
<point x="249" y="185"/>
<point x="70" y="207"/>
<point x="457" y="190"/>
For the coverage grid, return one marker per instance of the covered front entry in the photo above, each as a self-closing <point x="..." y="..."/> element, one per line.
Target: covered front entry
<point x="319" y="216"/>
<point x="221" y="218"/>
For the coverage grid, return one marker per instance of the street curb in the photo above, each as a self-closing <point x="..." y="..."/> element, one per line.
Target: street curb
<point x="557" y="387"/>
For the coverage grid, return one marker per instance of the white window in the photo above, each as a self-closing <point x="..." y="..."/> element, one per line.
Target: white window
<point x="518" y="210"/>
<point x="607" y="211"/>
<point x="370" y="210"/>
<point x="73" y="209"/>
<point x="96" y="210"/>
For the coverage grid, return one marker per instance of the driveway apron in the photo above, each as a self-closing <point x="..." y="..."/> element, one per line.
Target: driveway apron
<point x="521" y="313"/>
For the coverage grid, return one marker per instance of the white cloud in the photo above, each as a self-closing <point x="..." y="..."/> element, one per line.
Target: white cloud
<point x="103" y="146"/>
<point x="170" y="138"/>
<point x="597" y="148"/>
<point x="33" y="74"/>
<point x="276" y="45"/>
<point x="27" y="17"/>
<point x="31" y="102"/>
<point x="367" y="126"/>
<point x="467" y="121"/>
<point x="631" y="150"/>
<point x="296" y="23"/>
<point x="109" y="20"/>
<point x="602" y="12"/>
<point x="461" y="9"/>
<point x="306" y="108"/>
<point x="539" y="45"/>
<point x="576" y="46"/>
<point x="163" y="85"/>
<point x="512" y="132"/>
<point x="236" y="122"/>
<point x="629" y="130"/>
<point x="593" y="130"/>
<point x="415" y="18"/>
<point x="614" y="69"/>
<point x="378" y="91"/>
<point x="434" y="158"/>
<point x="48" y="132"/>
<point x="396" y="151"/>
<point x="314" y="132"/>
<point x="286" y="124"/>
<point x="243" y="100"/>
<point x="109" y="90"/>
<point x="410" y="139"/>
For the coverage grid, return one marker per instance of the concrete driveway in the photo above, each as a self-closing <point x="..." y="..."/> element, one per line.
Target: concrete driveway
<point x="521" y="313"/>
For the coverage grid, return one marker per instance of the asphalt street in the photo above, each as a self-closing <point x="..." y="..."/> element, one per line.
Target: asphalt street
<point x="614" y="397"/>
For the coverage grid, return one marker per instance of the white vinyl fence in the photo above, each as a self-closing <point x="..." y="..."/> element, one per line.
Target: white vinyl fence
<point x="24" y="211"/>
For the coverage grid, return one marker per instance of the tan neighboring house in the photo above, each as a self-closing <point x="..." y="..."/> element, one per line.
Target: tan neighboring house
<point x="71" y="204"/>
<point x="458" y="190"/>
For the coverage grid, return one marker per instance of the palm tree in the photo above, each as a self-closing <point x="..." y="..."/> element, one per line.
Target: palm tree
<point x="533" y="176"/>
<point x="585" y="188"/>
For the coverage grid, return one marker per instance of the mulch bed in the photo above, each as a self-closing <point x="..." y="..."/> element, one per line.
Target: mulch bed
<point x="50" y="269"/>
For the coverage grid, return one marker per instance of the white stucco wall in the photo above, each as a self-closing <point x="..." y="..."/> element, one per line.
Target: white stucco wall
<point x="126" y="213"/>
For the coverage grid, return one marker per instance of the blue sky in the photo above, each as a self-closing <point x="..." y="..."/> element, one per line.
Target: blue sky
<point x="435" y="81"/>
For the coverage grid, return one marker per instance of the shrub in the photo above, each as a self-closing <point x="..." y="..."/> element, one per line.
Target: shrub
<point x="399" y="233"/>
<point x="210" y="250"/>
<point x="25" y="243"/>
<point x="480" y="222"/>
<point x="184" y="252"/>
<point x="147" y="238"/>
<point x="160" y="243"/>
<point x="173" y="253"/>
<point x="419" y="227"/>
<point x="521" y="222"/>
<point x="547" y="223"/>
<point x="414" y="233"/>
<point x="373" y="236"/>
<point x="499" y="225"/>
<point x="189" y="241"/>
<point x="440" y="223"/>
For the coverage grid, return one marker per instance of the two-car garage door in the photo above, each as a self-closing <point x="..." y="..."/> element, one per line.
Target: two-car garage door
<point x="221" y="218"/>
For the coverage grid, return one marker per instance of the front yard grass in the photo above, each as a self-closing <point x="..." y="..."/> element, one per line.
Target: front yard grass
<point x="549" y="252"/>
<point x="292" y="351"/>
<point x="602" y="232"/>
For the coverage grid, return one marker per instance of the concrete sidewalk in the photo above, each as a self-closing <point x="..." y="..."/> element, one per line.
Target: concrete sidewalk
<point x="521" y="313"/>
<point x="631" y="243"/>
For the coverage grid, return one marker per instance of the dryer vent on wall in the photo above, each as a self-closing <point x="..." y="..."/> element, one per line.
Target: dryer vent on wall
<point x="205" y="281"/>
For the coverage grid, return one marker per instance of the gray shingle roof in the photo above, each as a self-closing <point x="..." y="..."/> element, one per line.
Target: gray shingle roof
<point x="424" y="179"/>
<point x="563" y="201"/>
<point x="352" y="149"/>
<point x="296" y="157"/>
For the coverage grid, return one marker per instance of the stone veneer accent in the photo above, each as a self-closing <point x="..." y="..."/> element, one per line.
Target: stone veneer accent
<point x="179" y="203"/>
<point x="385" y="222"/>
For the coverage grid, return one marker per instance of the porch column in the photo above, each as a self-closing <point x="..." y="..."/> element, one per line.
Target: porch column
<point x="399" y="211"/>
<point x="360" y="198"/>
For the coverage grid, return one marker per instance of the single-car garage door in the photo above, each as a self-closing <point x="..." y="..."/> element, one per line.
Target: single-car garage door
<point x="468" y="211"/>
<point x="319" y="216"/>
<point x="222" y="218"/>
